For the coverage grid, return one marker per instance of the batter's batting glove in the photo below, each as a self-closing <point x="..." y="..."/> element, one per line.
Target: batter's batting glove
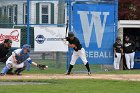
<point x="41" y="67"/>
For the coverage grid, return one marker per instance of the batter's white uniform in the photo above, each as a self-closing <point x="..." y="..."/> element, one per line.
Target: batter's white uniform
<point x="129" y="60"/>
<point x="80" y="53"/>
<point x="11" y="61"/>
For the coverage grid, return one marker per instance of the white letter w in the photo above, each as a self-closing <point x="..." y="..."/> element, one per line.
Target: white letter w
<point x="88" y="26"/>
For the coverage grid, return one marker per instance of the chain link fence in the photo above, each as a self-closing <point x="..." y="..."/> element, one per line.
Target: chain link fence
<point x="26" y="15"/>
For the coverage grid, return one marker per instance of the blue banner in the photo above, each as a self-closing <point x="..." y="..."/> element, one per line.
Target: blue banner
<point x="94" y="25"/>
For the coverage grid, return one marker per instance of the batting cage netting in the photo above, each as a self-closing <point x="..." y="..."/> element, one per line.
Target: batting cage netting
<point x="44" y="23"/>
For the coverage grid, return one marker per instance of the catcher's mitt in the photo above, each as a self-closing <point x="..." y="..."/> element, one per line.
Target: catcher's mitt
<point x="42" y="67"/>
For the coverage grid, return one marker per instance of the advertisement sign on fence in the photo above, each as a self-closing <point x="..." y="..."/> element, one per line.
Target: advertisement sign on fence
<point x="50" y="39"/>
<point x="94" y="26"/>
<point x="12" y="34"/>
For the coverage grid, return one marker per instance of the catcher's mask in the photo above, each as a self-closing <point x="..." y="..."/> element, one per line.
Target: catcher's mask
<point x="27" y="47"/>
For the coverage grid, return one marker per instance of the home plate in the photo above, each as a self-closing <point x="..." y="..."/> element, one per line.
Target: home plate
<point x="27" y="76"/>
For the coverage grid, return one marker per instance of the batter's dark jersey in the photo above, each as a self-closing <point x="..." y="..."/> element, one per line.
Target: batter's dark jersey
<point x="129" y="47"/>
<point x="3" y="51"/>
<point x="117" y="47"/>
<point x="76" y="42"/>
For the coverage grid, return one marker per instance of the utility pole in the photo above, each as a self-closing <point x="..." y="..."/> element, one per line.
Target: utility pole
<point x="60" y="21"/>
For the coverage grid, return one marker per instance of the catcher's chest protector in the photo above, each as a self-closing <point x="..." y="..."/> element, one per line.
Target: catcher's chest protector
<point x="22" y="57"/>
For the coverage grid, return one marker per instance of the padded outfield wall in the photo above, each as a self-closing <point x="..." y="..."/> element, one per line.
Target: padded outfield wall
<point x="95" y="24"/>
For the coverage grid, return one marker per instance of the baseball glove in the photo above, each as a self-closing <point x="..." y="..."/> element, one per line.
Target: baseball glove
<point x="42" y="67"/>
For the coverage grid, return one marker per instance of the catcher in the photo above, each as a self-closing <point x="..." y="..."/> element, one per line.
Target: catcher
<point x="20" y="59"/>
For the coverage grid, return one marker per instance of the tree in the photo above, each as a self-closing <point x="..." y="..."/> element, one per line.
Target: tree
<point x="129" y="10"/>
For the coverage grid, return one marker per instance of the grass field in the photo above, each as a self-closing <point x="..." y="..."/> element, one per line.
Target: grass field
<point x="71" y="85"/>
<point x="53" y="69"/>
<point x="75" y="86"/>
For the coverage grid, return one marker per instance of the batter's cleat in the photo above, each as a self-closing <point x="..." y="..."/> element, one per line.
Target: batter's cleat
<point x="68" y="73"/>
<point x="18" y="74"/>
<point x="89" y="73"/>
<point x="2" y="74"/>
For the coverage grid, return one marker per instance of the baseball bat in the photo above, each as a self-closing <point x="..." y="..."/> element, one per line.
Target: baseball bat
<point x="64" y="40"/>
<point x="66" y="28"/>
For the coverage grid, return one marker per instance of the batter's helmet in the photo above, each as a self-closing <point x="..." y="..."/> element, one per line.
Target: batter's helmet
<point x="26" y="46"/>
<point x="70" y="34"/>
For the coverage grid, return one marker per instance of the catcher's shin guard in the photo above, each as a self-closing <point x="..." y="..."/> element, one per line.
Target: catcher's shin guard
<point x="6" y="68"/>
<point x="19" y="70"/>
<point x="10" y="71"/>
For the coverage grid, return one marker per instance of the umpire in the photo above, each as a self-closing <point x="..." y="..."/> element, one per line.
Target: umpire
<point x="5" y="49"/>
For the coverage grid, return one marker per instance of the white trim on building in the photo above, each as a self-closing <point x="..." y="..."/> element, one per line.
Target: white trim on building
<point x="129" y="24"/>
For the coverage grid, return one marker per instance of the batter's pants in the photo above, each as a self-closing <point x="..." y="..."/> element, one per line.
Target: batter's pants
<point x="76" y="54"/>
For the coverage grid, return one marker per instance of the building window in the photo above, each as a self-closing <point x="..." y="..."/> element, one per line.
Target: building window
<point x="44" y="14"/>
<point x="25" y="13"/>
<point x="15" y="14"/>
<point x="4" y="11"/>
<point x="10" y="12"/>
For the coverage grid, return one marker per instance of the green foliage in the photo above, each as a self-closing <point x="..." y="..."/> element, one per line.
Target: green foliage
<point x="129" y="9"/>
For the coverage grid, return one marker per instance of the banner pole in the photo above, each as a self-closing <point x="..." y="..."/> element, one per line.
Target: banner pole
<point x="28" y="22"/>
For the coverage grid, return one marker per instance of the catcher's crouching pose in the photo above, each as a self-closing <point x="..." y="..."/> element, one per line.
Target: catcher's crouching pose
<point x="19" y="59"/>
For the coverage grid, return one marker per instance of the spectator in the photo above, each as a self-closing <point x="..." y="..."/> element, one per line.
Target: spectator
<point x="129" y="50"/>
<point x="118" y="52"/>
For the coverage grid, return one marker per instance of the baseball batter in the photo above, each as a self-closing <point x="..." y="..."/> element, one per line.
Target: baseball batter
<point x="129" y="50"/>
<point x="78" y="52"/>
<point x="19" y="59"/>
<point x="118" y="52"/>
